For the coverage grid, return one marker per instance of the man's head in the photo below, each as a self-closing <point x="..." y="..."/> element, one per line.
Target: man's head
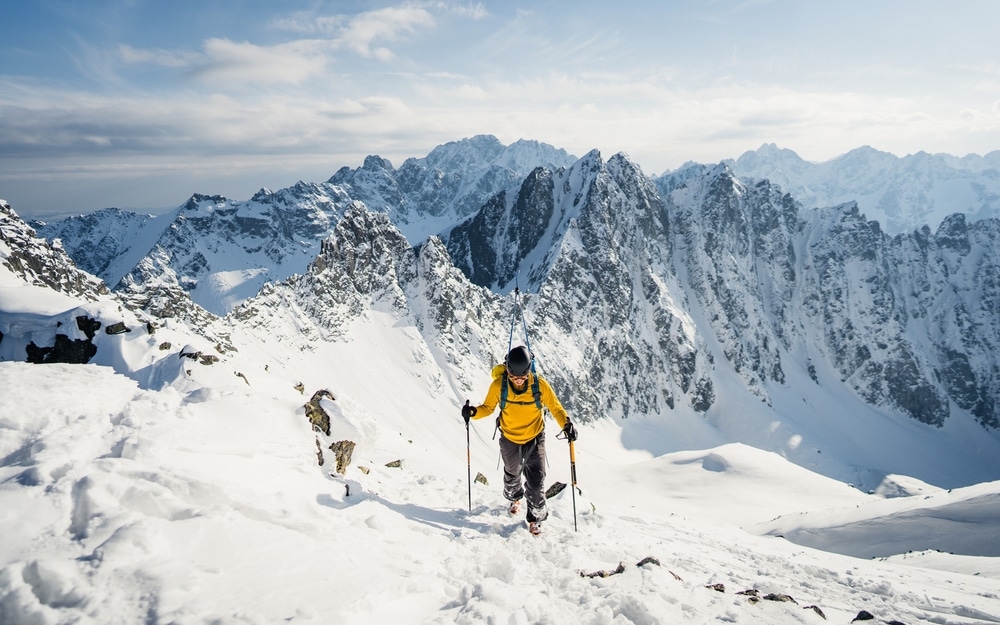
<point x="518" y="363"/>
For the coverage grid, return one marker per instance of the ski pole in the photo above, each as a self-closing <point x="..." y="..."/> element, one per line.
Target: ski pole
<point x="468" y="457"/>
<point x="572" y="474"/>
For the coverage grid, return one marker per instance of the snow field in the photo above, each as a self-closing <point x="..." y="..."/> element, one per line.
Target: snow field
<point x="208" y="507"/>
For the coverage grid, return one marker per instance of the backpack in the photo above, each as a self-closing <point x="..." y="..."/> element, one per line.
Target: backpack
<point x="500" y="371"/>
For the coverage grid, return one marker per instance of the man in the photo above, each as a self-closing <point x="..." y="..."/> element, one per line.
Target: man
<point x="522" y="431"/>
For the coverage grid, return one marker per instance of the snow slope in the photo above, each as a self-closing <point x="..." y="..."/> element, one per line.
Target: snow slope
<point x="203" y="502"/>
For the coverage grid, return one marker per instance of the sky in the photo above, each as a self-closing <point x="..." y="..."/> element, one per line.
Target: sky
<point x="138" y="104"/>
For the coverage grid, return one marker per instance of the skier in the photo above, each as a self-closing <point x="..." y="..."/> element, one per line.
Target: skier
<point x="521" y="395"/>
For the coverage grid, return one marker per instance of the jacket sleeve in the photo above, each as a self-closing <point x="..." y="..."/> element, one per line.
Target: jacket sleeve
<point x="550" y="401"/>
<point x="490" y="403"/>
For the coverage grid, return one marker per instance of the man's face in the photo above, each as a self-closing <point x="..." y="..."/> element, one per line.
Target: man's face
<point x="518" y="380"/>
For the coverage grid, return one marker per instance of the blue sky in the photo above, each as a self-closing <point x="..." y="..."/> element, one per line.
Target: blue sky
<point x="139" y="104"/>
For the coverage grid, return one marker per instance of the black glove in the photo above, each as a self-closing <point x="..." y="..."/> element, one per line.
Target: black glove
<point x="570" y="431"/>
<point x="468" y="411"/>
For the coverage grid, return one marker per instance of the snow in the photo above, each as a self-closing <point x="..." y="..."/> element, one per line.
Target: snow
<point x="154" y="488"/>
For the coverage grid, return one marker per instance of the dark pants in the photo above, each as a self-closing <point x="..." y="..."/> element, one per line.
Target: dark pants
<point x="528" y="459"/>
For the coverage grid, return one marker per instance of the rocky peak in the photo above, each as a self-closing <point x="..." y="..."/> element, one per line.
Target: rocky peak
<point x="517" y="232"/>
<point x="38" y="262"/>
<point x="953" y="234"/>
<point x="262" y="195"/>
<point x="466" y="154"/>
<point x="199" y="202"/>
<point x="377" y="163"/>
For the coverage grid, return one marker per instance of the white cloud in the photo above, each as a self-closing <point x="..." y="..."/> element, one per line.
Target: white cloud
<point x="364" y="33"/>
<point x="165" y="58"/>
<point x="362" y="30"/>
<point x="242" y="62"/>
<point x="223" y="61"/>
<point x="474" y="10"/>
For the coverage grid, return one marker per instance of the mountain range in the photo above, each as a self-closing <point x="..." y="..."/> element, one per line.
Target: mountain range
<point x="713" y="304"/>
<point x="903" y="194"/>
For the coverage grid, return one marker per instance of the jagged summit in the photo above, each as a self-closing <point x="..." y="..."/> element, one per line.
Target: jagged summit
<point x="427" y="195"/>
<point x="517" y="231"/>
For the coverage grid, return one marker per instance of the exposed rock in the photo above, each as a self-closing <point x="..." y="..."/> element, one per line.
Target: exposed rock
<point x="779" y="597"/>
<point x="864" y="615"/>
<point x="817" y="610"/>
<point x="88" y="326"/>
<point x="554" y="489"/>
<point x="65" y="350"/>
<point x="315" y="412"/>
<point x="481" y="479"/>
<point x="117" y="328"/>
<point x="342" y="450"/>
<point x="619" y="570"/>
<point x="395" y="464"/>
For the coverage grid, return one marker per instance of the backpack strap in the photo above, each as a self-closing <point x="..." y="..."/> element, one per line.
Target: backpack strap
<point x="536" y="392"/>
<point x="503" y="392"/>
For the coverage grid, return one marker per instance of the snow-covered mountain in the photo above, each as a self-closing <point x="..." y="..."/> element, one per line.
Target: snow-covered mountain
<point x="219" y="251"/>
<point x="906" y="321"/>
<point x="42" y="263"/>
<point x="108" y="243"/>
<point x="697" y="278"/>
<point x="714" y="273"/>
<point x="634" y="318"/>
<point x="318" y="472"/>
<point x="222" y="251"/>
<point x="902" y="193"/>
<point x="592" y="242"/>
<point x="427" y="195"/>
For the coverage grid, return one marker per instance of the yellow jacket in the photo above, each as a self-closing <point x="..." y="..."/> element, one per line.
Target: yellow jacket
<point x="521" y="419"/>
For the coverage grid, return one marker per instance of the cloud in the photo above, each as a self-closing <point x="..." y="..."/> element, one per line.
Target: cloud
<point x="364" y="29"/>
<point x="366" y="34"/>
<point x="242" y="62"/>
<point x="475" y="11"/>
<point x="164" y="58"/>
